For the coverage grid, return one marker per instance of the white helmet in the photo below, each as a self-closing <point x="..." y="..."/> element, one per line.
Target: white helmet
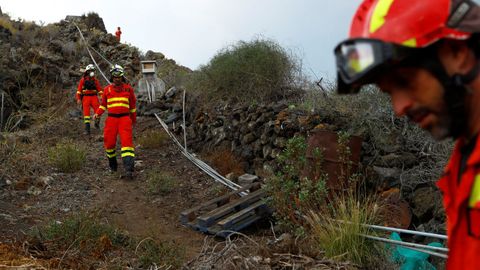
<point x="90" y="67"/>
<point x="117" y="71"/>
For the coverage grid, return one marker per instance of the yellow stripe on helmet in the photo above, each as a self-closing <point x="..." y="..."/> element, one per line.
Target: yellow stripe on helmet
<point x="379" y="13"/>
<point x="410" y="42"/>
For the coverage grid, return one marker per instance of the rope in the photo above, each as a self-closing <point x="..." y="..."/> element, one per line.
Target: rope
<point x="88" y="50"/>
<point x="200" y="164"/>
<point x="103" y="57"/>
<point x="1" y="112"/>
<point x="184" y="125"/>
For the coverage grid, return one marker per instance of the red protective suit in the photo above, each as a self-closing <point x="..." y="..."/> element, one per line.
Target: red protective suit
<point x="460" y="185"/>
<point x="118" y="34"/>
<point x="120" y="102"/>
<point x="87" y="91"/>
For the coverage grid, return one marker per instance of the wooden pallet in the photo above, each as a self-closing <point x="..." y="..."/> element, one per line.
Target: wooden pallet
<point x="228" y="213"/>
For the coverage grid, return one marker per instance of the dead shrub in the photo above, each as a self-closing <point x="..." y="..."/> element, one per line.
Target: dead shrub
<point x="7" y="24"/>
<point x="153" y="139"/>
<point x="224" y="161"/>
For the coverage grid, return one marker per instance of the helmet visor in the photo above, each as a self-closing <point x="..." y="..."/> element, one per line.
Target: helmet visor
<point x="358" y="60"/>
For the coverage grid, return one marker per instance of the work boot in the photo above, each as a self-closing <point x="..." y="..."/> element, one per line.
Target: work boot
<point x="112" y="162"/>
<point x="129" y="175"/>
<point x="87" y="128"/>
<point x="128" y="164"/>
<point x="97" y="123"/>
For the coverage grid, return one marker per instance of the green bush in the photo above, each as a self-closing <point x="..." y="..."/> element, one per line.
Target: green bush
<point x="159" y="182"/>
<point x="291" y="195"/>
<point x="67" y="156"/>
<point x="259" y="70"/>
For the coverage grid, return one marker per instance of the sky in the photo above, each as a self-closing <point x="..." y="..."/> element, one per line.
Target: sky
<point x="192" y="31"/>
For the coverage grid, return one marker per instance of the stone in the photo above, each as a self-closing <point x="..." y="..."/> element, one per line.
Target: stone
<point x="387" y="177"/>
<point x="44" y="181"/>
<point x="267" y="151"/>
<point x="75" y="113"/>
<point x="280" y="142"/>
<point x="247" y="152"/>
<point x="247" y="179"/>
<point x="33" y="190"/>
<point x="232" y="177"/>
<point x="275" y="153"/>
<point x="258" y="149"/>
<point x="399" y="160"/>
<point x="264" y="138"/>
<point x="424" y="200"/>
<point x="249" y="138"/>
<point x="171" y="92"/>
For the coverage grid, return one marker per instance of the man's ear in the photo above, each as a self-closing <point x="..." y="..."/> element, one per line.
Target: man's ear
<point x="456" y="56"/>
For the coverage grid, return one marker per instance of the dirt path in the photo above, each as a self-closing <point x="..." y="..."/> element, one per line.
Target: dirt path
<point x="125" y="204"/>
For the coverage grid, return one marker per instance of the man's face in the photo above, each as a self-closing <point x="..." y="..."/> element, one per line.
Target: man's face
<point x="416" y="93"/>
<point x="117" y="80"/>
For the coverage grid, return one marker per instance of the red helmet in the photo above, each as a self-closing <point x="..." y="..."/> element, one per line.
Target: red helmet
<point x="385" y="32"/>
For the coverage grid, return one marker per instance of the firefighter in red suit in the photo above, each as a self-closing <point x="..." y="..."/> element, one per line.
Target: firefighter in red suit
<point x="119" y="101"/>
<point x="87" y="94"/>
<point x="426" y="56"/>
<point x="118" y="34"/>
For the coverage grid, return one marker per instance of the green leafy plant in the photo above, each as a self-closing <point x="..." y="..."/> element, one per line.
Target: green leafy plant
<point x="259" y="70"/>
<point x="291" y="193"/>
<point x="67" y="156"/>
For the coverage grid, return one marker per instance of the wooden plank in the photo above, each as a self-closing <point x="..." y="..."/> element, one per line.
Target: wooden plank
<point x="218" y="231"/>
<point x="189" y="215"/>
<point x="230" y="220"/>
<point x="208" y="219"/>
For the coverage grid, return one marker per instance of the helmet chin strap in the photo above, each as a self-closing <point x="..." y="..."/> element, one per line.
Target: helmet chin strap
<point x="455" y="93"/>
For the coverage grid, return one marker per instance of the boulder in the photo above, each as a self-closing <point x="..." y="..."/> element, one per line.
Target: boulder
<point x="247" y="179"/>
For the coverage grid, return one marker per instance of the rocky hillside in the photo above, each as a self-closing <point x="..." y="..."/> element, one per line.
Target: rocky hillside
<point x="44" y="62"/>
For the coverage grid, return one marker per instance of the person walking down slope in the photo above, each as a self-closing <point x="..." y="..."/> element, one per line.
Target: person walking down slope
<point x="118" y="33"/>
<point x="87" y="95"/>
<point x="426" y="56"/>
<point x="120" y="103"/>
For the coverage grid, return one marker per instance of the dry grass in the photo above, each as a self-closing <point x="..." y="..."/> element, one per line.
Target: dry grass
<point x="160" y="182"/>
<point x="153" y="139"/>
<point x="224" y="161"/>
<point x="7" y="24"/>
<point x="369" y="114"/>
<point x="67" y="156"/>
<point x="101" y="246"/>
